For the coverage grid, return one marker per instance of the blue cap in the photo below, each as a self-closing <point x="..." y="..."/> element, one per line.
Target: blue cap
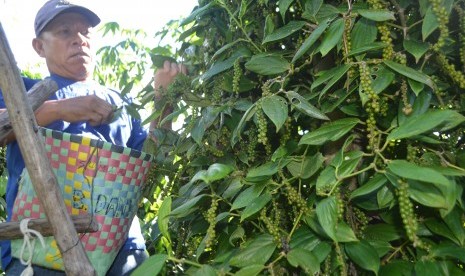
<point x="55" y="7"/>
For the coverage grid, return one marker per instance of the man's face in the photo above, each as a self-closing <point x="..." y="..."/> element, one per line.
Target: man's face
<point x="65" y="45"/>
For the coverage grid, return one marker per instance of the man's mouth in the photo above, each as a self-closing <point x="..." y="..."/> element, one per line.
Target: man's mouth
<point x="80" y="54"/>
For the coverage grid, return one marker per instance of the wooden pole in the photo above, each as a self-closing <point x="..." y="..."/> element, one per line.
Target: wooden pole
<point x="43" y="179"/>
<point x="83" y="224"/>
<point x="37" y="95"/>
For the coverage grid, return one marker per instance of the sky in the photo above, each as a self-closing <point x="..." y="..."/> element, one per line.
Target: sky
<point x="17" y="19"/>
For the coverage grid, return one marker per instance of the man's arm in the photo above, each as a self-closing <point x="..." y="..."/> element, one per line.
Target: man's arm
<point x="162" y="79"/>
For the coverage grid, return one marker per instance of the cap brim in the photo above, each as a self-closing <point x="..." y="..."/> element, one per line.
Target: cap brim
<point x="93" y="19"/>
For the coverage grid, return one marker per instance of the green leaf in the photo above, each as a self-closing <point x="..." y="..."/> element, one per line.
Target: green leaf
<point x="305" y="259"/>
<point x="238" y="234"/>
<point x="326" y="11"/>
<point x="275" y="107"/>
<point x="329" y="74"/>
<point x="257" y="252"/>
<point x="326" y="179"/>
<point x="364" y="255"/>
<point x="396" y="267"/>
<point x="215" y="172"/>
<point x="283" y="7"/>
<point x="383" y="232"/>
<point x="243" y="9"/>
<point x="256" y="205"/>
<point x="329" y="132"/>
<point x="428" y="195"/>
<point x="344" y="233"/>
<point x="441" y="229"/>
<point x="163" y="217"/>
<point x="206" y="119"/>
<point x="251" y="270"/>
<point x="311" y="39"/>
<point x="336" y="77"/>
<point x="417" y="87"/>
<point x="247" y="196"/>
<point x="416" y="48"/>
<point x="284" y="31"/>
<point x="366" y="48"/>
<point x="430" y="24"/>
<point x="383" y="78"/>
<point x="304" y="106"/>
<point x="455" y="225"/>
<point x="267" y="64"/>
<point x="326" y="211"/>
<point x="205" y="270"/>
<point x="348" y="165"/>
<point x="363" y="33"/>
<point x="269" y="25"/>
<point x="152" y="266"/>
<point x="332" y="37"/>
<point x="262" y="172"/>
<point x="428" y="121"/>
<point x="371" y="186"/>
<point x="426" y="267"/>
<point x="410" y="73"/>
<point x="197" y="12"/>
<point x="246" y="117"/>
<point x="384" y="197"/>
<point x="448" y="250"/>
<point x="306" y="167"/>
<point x="377" y="15"/>
<point x="409" y="170"/>
<point x="311" y="9"/>
<point x="224" y="65"/>
<point x="187" y="208"/>
<point x="159" y="60"/>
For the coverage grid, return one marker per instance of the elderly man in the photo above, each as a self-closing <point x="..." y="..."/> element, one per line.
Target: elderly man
<point x="80" y="106"/>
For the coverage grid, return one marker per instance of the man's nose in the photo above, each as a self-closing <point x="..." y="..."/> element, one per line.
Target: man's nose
<point x="79" y="38"/>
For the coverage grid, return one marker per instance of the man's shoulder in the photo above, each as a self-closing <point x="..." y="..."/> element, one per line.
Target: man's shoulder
<point x="28" y="82"/>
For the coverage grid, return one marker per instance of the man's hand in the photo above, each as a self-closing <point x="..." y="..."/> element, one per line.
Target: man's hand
<point x="90" y="109"/>
<point x="164" y="76"/>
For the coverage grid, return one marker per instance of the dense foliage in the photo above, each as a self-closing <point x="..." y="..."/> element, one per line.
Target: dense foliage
<point x="318" y="137"/>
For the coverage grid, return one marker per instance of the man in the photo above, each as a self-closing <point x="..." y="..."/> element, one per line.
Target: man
<point x="80" y="106"/>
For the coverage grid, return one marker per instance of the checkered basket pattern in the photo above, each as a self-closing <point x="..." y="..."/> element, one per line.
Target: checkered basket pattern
<point x="95" y="177"/>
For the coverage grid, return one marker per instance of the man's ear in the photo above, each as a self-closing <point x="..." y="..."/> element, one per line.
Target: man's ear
<point x="38" y="46"/>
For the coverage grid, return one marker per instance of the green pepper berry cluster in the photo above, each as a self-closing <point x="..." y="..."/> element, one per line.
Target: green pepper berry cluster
<point x="448" y="68"/>
<point x="252" y="144"/>
<point x="180" y="84"/>
<point x="372" y="105"/>
<point x="262" y="129"/>
<point x="347" y="31"/>
<point x="237" y="73"/>
<point x="407" y="109"/>
<point x="461" y="14"/>
<point x="211" y="219"/>
<point x="266" y="88"/>
<point x="286" y="131"/>
<point x="340" y="204"/>
<point x="272" y="228"/>
<point x="294" y="198"/>
<point x="412" y="153"/>
<point x="191" y="122"/>
<point x="362" y="220"/>
<point x="443" y="19"/>
<point x="384" y="30"/>
<point x="407" y="214"/>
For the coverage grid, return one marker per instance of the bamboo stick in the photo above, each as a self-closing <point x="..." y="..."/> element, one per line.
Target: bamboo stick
<point x="43" y="179"/>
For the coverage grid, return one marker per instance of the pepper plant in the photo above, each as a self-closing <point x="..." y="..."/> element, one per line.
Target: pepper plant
<point x="318" y="137"/>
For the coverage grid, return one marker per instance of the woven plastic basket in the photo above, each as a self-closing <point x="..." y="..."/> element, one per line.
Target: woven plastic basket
<point x="95" y="177"/>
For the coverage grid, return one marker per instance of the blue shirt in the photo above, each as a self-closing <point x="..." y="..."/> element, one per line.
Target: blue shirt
<point x="124" y="131"/>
